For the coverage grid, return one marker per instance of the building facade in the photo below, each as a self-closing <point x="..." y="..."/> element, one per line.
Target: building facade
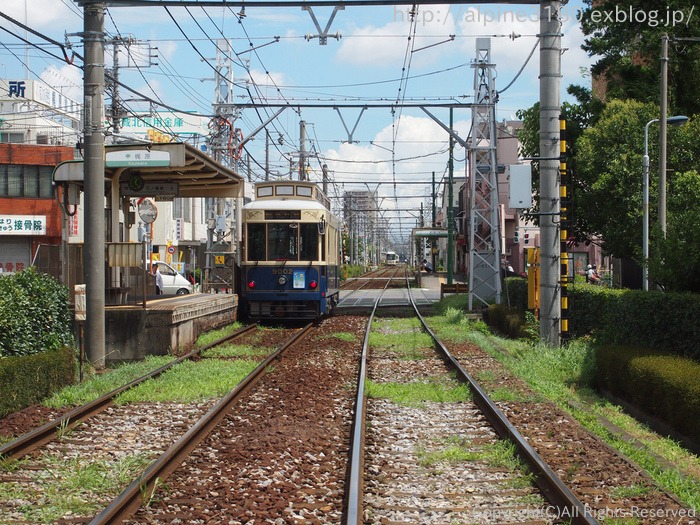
<point x="30" y="214"/>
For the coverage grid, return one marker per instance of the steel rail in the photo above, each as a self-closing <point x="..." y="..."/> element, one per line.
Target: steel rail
<point x="49" y="431"/>
<point x="128" y="502"/>
<point x="568" y="505"/>
<point x="355" y="487"/>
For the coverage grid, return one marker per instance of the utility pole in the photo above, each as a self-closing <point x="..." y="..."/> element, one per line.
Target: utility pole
<point x="663" y="127"/>
<point x="267" y="155"/>
<point x="302" y="150"/>
<point x="116" y="112"/>
<point x="324" y="170"/>
<point x="550" y="248"/>
<point x="450" y="207"/>
<point x="94" y="247"/>
<point x="112" y="86"/>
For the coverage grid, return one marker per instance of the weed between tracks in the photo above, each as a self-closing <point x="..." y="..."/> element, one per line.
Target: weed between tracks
<point x="72" y="487"/>
<point x="418" y="393"/>
<point x="209" y="337"/>
<point x="565" y="376"/>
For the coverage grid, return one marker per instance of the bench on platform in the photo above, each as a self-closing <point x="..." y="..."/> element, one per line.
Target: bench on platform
<point x="452" y="288"/>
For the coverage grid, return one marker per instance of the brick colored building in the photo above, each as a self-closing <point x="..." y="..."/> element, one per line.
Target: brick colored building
<point x="30" y="215"/>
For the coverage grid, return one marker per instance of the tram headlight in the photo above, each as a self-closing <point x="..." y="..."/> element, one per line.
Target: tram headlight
<point x="282" y="280"/>
<point x="313" y="285"/>
<point x="251" y="284"/>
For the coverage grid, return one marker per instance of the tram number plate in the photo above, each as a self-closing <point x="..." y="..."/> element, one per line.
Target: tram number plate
<point x="299" y="280"/>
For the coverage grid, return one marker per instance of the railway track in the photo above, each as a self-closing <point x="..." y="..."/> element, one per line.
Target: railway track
<point x="102" y="439"/>
<point x="291" y="450"/>
<point x="428" y="461"/>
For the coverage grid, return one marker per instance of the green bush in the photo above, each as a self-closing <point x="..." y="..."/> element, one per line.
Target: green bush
<point x="509" y="322"/>
<point x="667" y="322"/>
<point x="27" y="380"/>
<point x="34" y="314"/>
<point x="665" y="386"/>
<point x="515" y="292"/>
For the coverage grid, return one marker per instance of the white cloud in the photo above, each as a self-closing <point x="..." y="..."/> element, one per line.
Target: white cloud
<point x="385" y="45"/>
<point x="41" y="15"/>
<point x="421" y="146"/>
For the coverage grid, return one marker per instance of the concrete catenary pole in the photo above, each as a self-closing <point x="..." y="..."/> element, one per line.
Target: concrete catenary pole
<point x="94" y="247"/>
<point x="550" y="79"/>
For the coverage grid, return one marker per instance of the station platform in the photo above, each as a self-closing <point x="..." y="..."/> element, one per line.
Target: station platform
<point x="168" y="325"/>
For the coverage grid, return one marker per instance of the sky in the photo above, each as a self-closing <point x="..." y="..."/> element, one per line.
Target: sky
<point x="279" y="59"/>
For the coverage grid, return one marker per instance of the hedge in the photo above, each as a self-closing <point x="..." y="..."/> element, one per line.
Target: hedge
<point x="34" y="314"/>
<point x="667" y="322"/>
<point x="26" y="380"/>
<point x="37" y="355"/>
<point x="662" y="385"/>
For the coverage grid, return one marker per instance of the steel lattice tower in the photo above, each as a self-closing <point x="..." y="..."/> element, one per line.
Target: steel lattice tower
<point x="484" y="231"/>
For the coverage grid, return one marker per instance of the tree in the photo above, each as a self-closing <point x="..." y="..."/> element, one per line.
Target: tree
<point x="578" y="117"/>
<point x="676" y="264"/>
<point x="626" y="35"/>
<point x="609" y="157"/>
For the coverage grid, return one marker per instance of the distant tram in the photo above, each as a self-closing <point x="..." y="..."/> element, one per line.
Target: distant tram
<point x="391" y="259"/>
<point x="289" y="261"/>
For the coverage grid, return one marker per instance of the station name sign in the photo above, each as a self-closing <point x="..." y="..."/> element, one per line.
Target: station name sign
<point x="137" y="159"/>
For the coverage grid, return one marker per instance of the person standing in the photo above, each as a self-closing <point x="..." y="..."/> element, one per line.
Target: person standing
<point x="159" y="280"/>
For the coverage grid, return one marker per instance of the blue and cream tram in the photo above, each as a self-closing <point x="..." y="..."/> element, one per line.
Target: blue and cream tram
<point x="289" y="263"/>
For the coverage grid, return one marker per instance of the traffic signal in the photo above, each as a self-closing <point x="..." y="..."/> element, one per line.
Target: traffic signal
<point x="516" y="236"/>
<point x="526" y="238"/>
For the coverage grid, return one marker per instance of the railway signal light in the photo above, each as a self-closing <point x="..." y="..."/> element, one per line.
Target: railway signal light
<point x="526" y="238"/>
<point x="516" y="236"/>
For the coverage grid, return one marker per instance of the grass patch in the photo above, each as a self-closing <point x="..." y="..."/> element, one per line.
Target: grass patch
<point x="191" y="382"/>
<point x="343" y="336"/>
<point x="74" y="487"/>
<point x="505" y="394"/>
<point x="455" y="326"/>
<point x="501" y="454"/>
<point x="233" y="350"/>
<point x="208" y="338"/>
<point x="629" y="492"/>
<point x="99" y="385"/>
<point x="412" y="344"/>
<point x="418" y="393"/>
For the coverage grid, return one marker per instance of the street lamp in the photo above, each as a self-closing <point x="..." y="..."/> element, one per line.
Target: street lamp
<point x="678" y="120"/>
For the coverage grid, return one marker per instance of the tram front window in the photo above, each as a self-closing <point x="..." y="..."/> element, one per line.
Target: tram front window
<point x="282" y="241"/>
<point x="308" y="242"/>
<point x="256" y="242"/>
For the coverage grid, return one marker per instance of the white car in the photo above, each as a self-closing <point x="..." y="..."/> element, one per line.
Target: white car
<point x="173" y="282"/>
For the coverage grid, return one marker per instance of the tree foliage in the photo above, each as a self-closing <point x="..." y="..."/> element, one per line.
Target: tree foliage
<point x="609" y="159"/>
<point x="626" y="36"/>
<point x="578" y="116"/>
<point x="606" y="185"/>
